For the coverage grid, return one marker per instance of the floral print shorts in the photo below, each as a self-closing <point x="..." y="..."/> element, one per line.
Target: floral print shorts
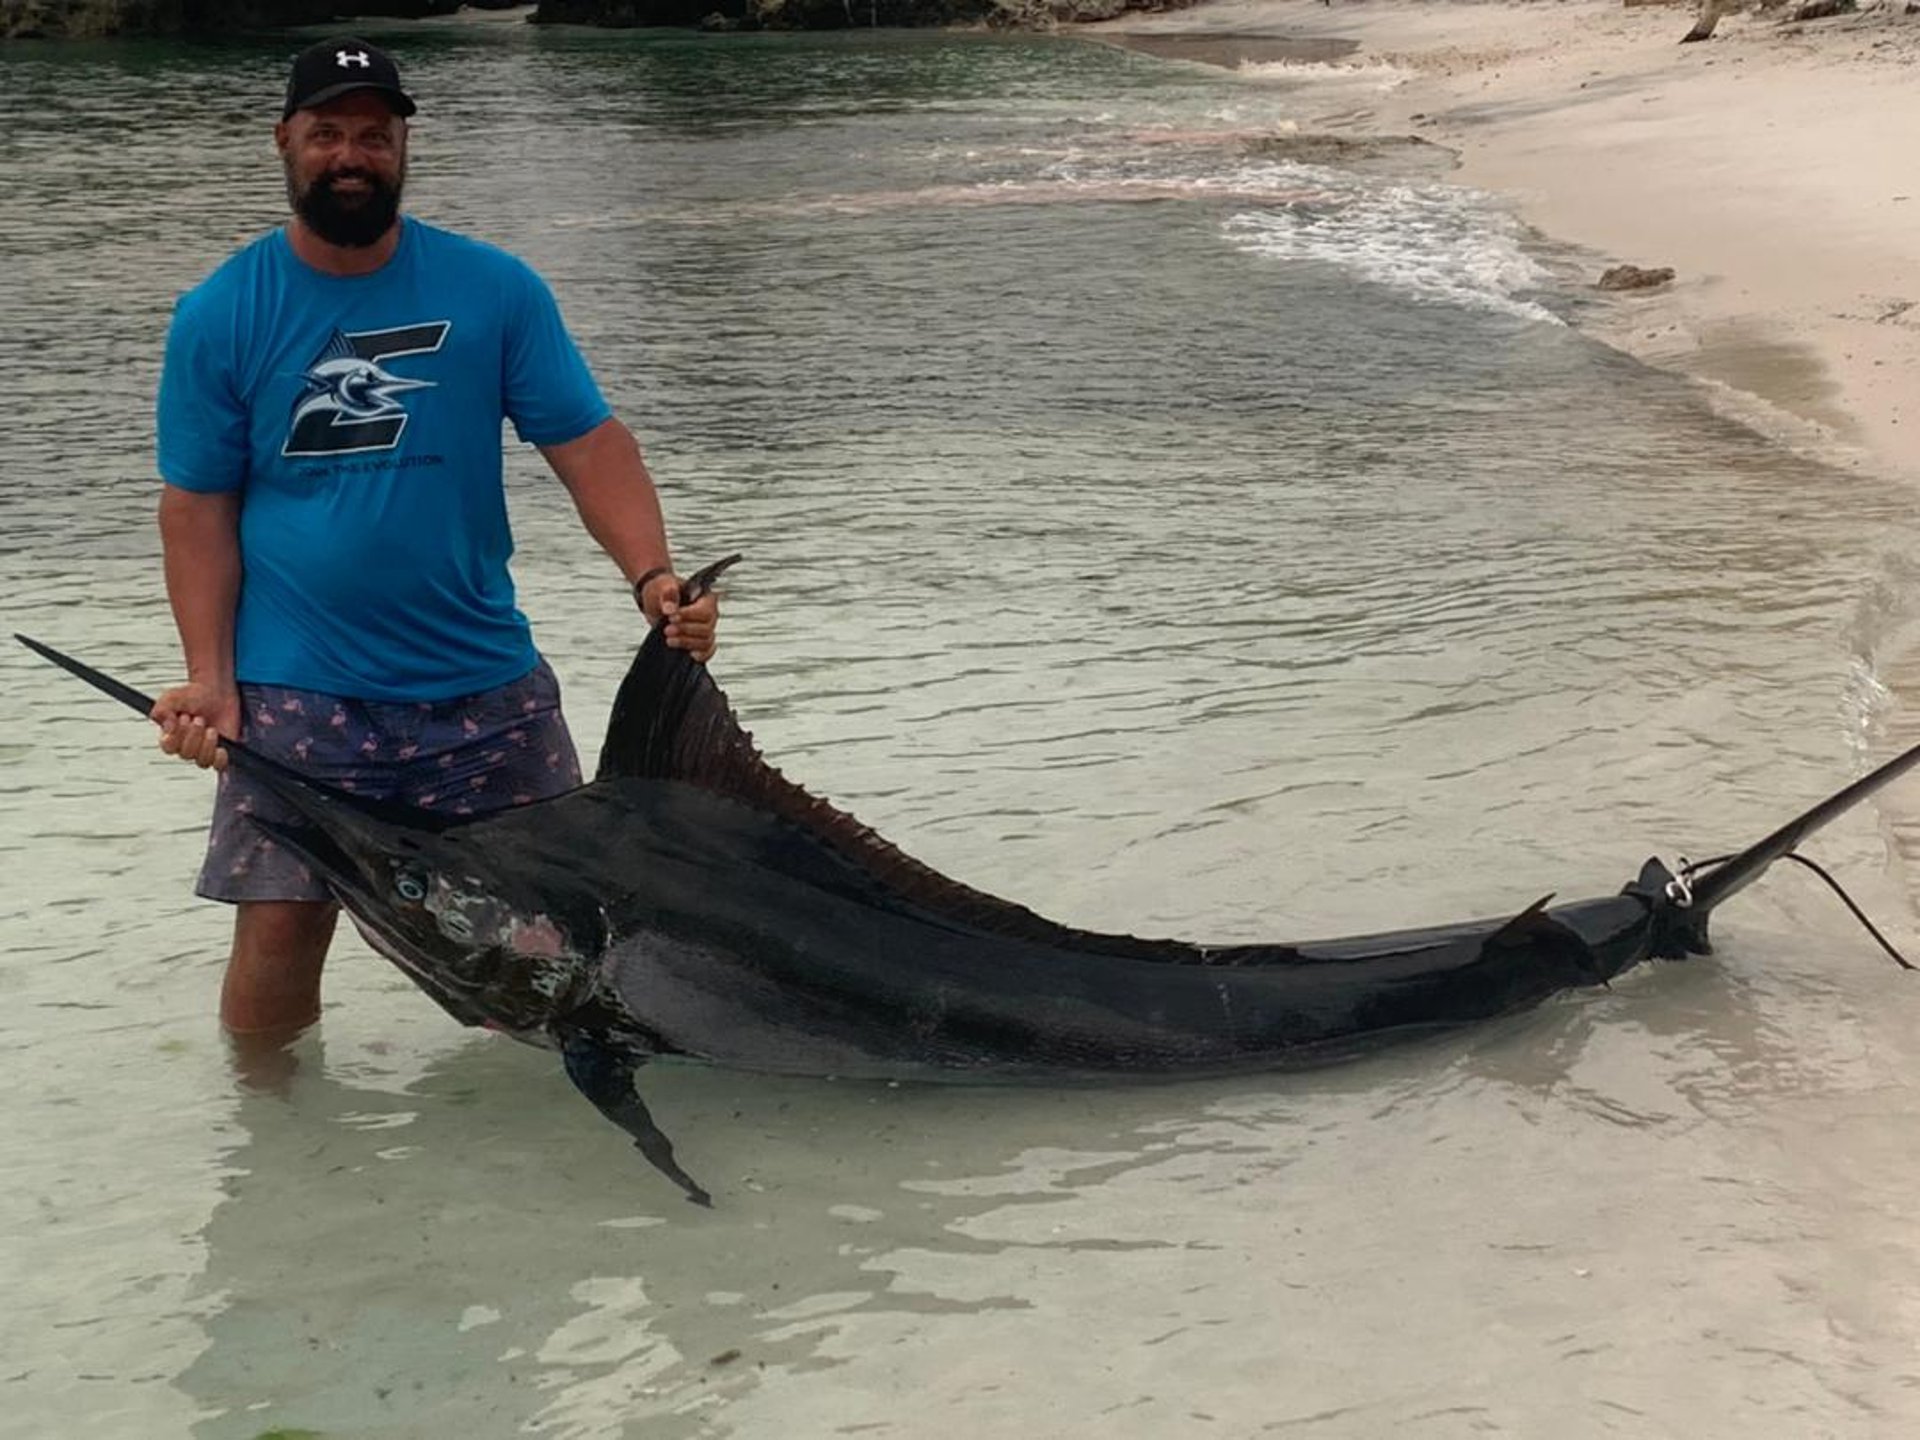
<point x="466" y="756"/>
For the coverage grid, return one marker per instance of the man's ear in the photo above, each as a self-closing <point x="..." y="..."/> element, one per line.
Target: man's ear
<point x="282" y="132"/>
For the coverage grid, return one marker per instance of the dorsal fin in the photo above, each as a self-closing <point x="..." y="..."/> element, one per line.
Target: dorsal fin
<point x="1537" y="931"/>
<point x="1528" y="925"/>
<point x="671" y="721"/>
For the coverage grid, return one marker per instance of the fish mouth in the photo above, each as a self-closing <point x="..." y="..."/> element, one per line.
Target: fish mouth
<point x="507" y="972"/>
<point x="383" y="929"/>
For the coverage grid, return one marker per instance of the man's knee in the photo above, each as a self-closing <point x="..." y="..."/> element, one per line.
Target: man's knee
<point x="272" y="988"/>
<point x="294" y="932"/>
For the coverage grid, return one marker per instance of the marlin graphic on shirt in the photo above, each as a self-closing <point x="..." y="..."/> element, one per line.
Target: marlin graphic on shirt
<point x="350" y="399"/>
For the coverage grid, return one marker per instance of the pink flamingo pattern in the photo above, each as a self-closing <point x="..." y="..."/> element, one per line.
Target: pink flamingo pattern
<point x="467" y="755"/>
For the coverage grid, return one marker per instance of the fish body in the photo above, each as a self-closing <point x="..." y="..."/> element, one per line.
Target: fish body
<point x="691" y="901"/>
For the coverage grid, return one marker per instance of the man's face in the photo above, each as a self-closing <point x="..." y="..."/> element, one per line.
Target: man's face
<point x="346" y="166"/>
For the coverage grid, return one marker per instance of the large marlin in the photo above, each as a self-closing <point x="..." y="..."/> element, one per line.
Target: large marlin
<point x="691" y="901"/>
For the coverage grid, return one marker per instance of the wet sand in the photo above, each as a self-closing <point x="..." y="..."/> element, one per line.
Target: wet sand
<point x="1773" y="168"/>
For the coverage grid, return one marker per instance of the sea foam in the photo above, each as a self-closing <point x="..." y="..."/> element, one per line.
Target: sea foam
<point x="1432" y="242"/>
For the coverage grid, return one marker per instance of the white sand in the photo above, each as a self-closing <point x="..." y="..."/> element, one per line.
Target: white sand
<point x="1776" y="168"/>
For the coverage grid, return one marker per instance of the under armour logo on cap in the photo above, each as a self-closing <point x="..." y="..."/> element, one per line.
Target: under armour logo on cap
<point x="339" y="67"/>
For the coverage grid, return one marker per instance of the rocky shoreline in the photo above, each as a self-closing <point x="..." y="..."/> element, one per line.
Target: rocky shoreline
<point x="102" y="19"/>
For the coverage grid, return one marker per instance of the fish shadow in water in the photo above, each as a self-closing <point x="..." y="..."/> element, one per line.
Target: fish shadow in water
<point x="459" y="1251"/>
<point x="464" y="1252"/>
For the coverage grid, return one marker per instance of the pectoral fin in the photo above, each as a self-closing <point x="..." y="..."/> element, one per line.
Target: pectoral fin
<point x="606" y="1077"/>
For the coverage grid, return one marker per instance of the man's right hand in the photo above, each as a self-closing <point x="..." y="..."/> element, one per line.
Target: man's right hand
<point x="194" y="718"/>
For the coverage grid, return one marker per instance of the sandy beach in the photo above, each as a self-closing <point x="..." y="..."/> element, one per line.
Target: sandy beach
<point x="1773" y="168"/>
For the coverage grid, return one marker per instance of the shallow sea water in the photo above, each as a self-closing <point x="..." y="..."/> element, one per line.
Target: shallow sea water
<point x="1141" y="524"/>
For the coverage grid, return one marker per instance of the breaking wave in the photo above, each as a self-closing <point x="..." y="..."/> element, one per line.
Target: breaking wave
<point x="1373" y="75"/>
<point x="1434" y="243"/>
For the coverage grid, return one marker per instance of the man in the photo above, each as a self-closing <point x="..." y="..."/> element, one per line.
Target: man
<point x="334" y="524"/>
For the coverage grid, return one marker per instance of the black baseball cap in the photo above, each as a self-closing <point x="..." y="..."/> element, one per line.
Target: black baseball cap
<point x="334" y="68"/>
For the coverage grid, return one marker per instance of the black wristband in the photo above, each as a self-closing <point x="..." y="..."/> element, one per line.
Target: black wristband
<point x="640" y="585"/>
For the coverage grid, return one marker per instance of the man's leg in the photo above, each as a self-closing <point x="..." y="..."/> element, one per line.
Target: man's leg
<point x="284" y="915"/>
<point x="478" y="753"/>
<point x="272" y="989"/>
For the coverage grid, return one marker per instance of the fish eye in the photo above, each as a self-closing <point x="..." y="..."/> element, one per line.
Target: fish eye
<point x="412" y="886"/>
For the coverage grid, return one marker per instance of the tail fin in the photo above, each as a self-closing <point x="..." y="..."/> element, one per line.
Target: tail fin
<point x="1731" y="876"/>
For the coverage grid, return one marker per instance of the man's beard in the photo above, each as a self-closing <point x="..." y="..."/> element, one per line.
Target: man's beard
<point x="353" y="221"/>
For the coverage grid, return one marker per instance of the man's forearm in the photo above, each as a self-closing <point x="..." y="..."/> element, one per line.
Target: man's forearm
<point x="604" y="472"/>
<point x="200" y="536"/>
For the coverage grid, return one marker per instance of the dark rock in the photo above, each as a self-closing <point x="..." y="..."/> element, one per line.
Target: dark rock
<point x="93" y="19"/>
<point x="837" y="14"/>
<point x="1821" y="9"/>
<point x="1632" y="277"/>
<point x="97" y="19"/>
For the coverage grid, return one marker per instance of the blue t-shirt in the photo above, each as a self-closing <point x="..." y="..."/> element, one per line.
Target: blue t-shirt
<point x="359" y="417"/>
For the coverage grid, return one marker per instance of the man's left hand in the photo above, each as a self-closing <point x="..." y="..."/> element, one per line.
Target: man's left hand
<point x="689" y="627"/>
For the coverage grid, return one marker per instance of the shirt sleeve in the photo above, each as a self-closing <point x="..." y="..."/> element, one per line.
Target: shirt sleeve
<point x="550" y="394"/>
<point x="201" y="424"/>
